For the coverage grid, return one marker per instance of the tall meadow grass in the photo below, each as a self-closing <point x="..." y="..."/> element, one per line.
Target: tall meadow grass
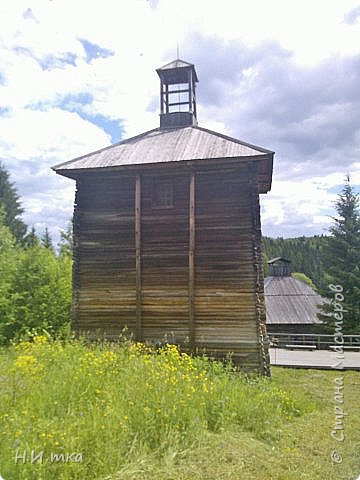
<point x="100" y="406"/>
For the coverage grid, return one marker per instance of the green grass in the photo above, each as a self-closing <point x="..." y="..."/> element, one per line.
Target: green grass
<point x="130" y="412"/>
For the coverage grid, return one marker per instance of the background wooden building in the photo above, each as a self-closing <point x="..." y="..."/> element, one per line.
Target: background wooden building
<point x="291" y="305"/>
<point x="167" y="233"/>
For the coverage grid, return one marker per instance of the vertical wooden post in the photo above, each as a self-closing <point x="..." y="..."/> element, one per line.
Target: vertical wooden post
<point x="194" y="98"/>
<point x="192" y="261"/>
<point x="167" y="109"/>
<point x="138" y="256"/>
<point x="161" y="97"/>
<point x="190" y="91"/>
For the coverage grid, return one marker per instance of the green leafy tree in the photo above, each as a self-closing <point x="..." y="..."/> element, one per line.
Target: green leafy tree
<point x="35" y="283"/>
<point x="41" y="296"/>
<point x="341" y="253"/>
<point x="10" y="203"/>
<point x="35" y="289"/>
<point x="303" y="278"/>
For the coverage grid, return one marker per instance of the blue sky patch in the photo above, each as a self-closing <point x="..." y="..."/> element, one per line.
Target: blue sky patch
<point x="338" y="188"/>
<point x="94" y="51"/>
<point x="75" y="103"/>
<point x="23" y="51"/>
<point x="114" y="128"/>
<point x="335" y="189"/>
<point x="41" y="106"/>
<point x="4" y="111"/>
<point x="50" y="62"/>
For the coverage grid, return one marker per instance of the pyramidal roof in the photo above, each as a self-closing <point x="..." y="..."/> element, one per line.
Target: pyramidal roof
<point x="159" y="146"/>
<point x="178" y="63"/>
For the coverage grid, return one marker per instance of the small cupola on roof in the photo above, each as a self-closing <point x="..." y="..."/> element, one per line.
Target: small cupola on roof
<point x="279" y="267"/>
<point x="177" y="94"/>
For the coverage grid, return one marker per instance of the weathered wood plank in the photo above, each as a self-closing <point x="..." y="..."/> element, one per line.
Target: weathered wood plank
<point x="192" y="260"/>
<point x="138" y="256"/>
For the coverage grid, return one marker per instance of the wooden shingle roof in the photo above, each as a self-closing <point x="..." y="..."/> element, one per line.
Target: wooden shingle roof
<point x="289" y="301"/>
<point x="164" y="146"/>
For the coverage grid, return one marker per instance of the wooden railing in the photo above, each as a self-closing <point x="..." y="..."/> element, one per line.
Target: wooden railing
<point x="321" y="341"/>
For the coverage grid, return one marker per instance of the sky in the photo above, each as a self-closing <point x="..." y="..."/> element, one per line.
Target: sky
<point x="76" y="76"/>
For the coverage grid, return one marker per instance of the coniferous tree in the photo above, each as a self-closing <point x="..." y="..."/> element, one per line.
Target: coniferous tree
<point x="341" y="254"/>
<point x="31" y="238"/>
<point x="66" y="241"/>
<point x="46" y="240"/>
<point x="10" y="204"/>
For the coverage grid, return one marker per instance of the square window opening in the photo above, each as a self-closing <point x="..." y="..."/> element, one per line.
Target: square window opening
<point x="163" y="195"/>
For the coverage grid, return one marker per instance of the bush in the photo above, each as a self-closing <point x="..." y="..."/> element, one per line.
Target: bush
<point x="35" y="290"/>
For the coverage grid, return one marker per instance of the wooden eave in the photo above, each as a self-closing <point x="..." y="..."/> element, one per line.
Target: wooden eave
<point x="191" y="146"/>
<point x="263" y="164"/>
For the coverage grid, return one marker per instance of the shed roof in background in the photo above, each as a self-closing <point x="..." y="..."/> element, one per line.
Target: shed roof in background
<point x="290" y="301"/>
<point x="171" y="145"/>
<point x="278" y="259"/>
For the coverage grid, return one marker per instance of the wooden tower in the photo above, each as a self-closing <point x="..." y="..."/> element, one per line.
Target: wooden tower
<point x="177" y="94"/>
<point x="167" y="236"/>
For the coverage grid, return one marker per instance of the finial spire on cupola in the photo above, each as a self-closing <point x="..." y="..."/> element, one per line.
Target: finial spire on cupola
<point x="177" y="94"/>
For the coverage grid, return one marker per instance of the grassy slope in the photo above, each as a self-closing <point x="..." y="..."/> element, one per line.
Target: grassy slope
<point x="301" y="451"/>
<point x="165" y="416"/>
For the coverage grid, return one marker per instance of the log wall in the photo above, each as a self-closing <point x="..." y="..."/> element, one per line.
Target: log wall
<point x="225" y="273"/>
<point x="189" y="274"/>
<point x="104" y="255"/>
<point x="165" y="243"/>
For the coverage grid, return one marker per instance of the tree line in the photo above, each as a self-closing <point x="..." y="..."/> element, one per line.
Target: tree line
<point x="305" y="254"/>
<point x="332" y="262"/>
<point x="35" y="277"/>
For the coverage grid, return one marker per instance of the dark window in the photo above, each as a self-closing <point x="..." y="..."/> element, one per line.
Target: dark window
<point x="163" y="194"/>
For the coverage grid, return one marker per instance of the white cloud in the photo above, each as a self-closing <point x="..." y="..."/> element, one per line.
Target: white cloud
<point x="268" y="76"/>
<point x="296" y="206"/>
<point x="49" y="134"/>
